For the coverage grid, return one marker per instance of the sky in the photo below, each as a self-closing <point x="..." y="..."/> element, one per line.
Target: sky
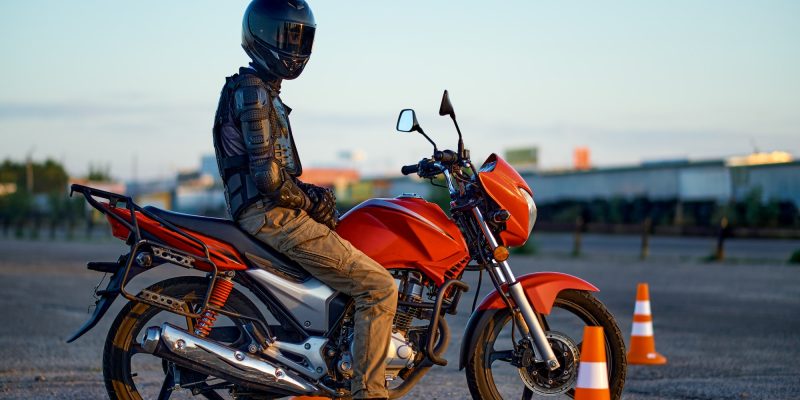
<point x="134" y="85"/>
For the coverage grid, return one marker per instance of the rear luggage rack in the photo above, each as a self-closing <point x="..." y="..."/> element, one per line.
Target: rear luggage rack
<point x="171" y="254"/>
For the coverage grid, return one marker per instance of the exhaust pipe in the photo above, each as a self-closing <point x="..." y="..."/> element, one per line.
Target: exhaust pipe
<point x="177" y="345"/>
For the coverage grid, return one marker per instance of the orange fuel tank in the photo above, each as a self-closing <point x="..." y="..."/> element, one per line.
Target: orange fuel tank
<point x="407" y="233"/>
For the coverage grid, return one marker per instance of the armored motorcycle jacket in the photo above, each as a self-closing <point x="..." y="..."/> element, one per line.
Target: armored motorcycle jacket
<point x="256" y="153"/>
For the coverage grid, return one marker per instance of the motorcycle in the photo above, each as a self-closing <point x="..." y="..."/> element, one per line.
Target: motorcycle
<point x="207" y="334"/>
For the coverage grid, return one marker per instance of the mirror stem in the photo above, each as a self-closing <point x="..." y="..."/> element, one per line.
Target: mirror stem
<point x="435" y="149"/>
<point x="460" y="139"/>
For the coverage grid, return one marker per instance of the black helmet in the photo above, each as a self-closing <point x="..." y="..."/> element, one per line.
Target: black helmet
<point x="277" y="35"/>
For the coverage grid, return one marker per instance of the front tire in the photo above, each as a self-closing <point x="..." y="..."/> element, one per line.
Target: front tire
<point x="490" y="375"/>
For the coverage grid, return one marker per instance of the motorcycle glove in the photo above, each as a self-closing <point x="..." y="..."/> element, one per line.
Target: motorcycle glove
<point x="323" y="205"/>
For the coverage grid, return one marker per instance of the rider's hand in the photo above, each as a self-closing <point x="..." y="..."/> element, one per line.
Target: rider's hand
<point x="323" y="209"/>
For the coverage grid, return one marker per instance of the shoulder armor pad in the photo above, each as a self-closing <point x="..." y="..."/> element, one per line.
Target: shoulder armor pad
<point x="250" y="97"/>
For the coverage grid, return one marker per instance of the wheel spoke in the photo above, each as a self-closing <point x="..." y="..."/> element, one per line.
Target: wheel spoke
<point x="505" y="355"/>
<point x="527" y="394"/>
<point x="189" y="321"/>
<point x="167" y="386"/>
<point x="136" y="348"/>
<point x="545" y="325"/>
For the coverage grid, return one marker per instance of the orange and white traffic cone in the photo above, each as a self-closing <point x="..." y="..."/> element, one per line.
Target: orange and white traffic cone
<point x="643" y="344"/>
<point x="593" y="370"/>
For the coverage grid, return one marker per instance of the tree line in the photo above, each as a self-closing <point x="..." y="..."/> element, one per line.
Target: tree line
<point x="34" y="198"/>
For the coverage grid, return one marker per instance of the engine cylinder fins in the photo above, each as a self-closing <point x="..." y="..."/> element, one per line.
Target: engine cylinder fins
<point x="410" y="288"/>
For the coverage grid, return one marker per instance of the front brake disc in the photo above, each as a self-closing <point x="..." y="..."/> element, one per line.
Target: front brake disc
<point x="541" y="380"/>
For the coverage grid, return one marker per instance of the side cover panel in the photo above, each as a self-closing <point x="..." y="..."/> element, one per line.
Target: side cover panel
<point x="407" y="232"/>
<point x="306" y="301"/>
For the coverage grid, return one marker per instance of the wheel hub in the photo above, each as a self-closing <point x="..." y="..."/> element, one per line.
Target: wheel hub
<point x="541" y="380"/>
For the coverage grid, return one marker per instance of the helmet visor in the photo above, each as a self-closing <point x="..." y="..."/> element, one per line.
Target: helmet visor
<point x="290" y="37"/>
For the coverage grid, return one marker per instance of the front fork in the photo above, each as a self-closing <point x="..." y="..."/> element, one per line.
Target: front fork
<point x="529" y="324"/>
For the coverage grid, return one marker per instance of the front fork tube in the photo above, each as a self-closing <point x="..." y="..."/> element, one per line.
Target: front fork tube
<point x="529" y="325"/>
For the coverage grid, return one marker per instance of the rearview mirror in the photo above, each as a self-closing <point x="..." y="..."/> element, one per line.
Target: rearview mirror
<point x="447" y="108"/>
<point x="407" y="122"/>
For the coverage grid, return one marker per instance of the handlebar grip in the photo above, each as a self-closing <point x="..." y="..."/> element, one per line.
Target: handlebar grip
<point x="409" y="169"/>
<point x="446" y="157"/>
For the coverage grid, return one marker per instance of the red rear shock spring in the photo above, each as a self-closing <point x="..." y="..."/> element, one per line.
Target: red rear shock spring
<point x="219" y="295"/>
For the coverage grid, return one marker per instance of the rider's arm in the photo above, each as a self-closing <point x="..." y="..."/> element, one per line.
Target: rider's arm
<point x="252" y="102"/>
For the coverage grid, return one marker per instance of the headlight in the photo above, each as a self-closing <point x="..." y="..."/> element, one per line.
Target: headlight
<point x="532" y="213"/>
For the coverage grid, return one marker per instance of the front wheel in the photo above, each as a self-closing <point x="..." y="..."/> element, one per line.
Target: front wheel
<point x="501" y="365"/>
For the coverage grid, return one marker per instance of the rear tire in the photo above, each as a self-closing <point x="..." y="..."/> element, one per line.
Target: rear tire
<point x="122" y="340"/>
<point x="581" y="304"/>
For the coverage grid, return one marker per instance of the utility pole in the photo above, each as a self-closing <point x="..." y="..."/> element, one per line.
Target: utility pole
<point x="134" y="176"/>
<point x="29" y="170"/>
<point x="719" y="251"/>
<point x="647" y="226"/>
<point x="580" y="225"/>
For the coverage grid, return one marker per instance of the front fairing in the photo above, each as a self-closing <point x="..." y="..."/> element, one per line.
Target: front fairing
<point x="502" y="183"/>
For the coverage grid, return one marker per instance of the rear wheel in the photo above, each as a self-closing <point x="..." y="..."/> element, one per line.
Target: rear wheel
<point x="495" y="370"/>
<point x="132" y="374"/>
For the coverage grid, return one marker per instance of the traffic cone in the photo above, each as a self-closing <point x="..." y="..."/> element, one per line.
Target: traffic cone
<point x="593" y="370"/>
<point x="643" y="344"/>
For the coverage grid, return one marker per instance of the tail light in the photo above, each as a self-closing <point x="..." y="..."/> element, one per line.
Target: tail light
<point x="118" y="230"/>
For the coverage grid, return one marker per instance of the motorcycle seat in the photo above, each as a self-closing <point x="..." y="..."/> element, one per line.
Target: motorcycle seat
<point x="257" y="252"/>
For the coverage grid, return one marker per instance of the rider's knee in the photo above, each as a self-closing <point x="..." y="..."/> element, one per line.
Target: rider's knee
<point x="387" y="284"/>
<point x="378" y="287"/>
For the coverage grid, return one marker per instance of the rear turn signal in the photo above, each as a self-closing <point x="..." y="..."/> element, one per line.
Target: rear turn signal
<point x="500" y="253"/>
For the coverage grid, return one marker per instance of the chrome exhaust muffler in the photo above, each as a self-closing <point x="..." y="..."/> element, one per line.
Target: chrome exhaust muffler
<point x="176" y="344"/>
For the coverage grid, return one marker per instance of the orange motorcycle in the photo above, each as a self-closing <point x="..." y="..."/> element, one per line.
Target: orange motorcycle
<point x="255" y="325"/>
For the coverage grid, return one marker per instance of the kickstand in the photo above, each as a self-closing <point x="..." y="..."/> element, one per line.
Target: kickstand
<point x="168" y="385"/>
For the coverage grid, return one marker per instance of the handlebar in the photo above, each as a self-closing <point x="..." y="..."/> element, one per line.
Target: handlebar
<point x="425" y="168"/>
<point x="409" y="169"/>
<point x="446" y="157"/>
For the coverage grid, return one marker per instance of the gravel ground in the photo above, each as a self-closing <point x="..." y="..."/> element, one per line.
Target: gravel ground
<point x="730" y="330"/>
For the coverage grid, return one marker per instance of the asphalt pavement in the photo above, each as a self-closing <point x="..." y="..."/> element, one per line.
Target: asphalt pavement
<point x="729" y="330"/>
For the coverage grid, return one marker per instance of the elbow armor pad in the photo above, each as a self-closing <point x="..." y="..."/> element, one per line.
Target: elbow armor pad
<point x="287" y="193"/>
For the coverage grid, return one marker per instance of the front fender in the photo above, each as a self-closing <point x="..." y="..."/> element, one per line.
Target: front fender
<point x="541" y="288"/>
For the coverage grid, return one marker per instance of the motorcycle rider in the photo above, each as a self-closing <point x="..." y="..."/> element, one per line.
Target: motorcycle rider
<point x="259" y="165"/>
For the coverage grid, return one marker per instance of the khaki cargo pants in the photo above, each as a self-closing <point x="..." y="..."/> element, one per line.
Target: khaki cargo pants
<point x="334" y="261"/>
